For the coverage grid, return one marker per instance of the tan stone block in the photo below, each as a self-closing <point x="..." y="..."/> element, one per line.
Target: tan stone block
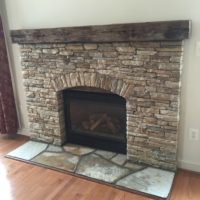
<point x="162" y="123"/>
<point x="125" y="70"/>
<point x="146" y="52"/>
<point x="25" y="49"/>
<point x="167" y="118"/>
<point x="155" y="59"/>
<point x="30" y="94"/>
<point x="128" y="92"/>
<point x="73" y="79"/>
<point x="174" y="124"/>
<point x="54" y="84"/>
<point x="162" y="96"/>
<point x="96" y="55"/>
<point x="52" y="102"/>
<point x="144" y="102"/>
<point x="125" y="57"/>
<point x="33" y="135"/>
<point x="134" y="130"/>
<point x="93" y="79"/>
<point x="145" y="110"/>
<point x="90" y="46"/>
<point x="66" y="53"/>
<point x="141" y="57"/>
<point x="97" y="81"/>
<point x="119" y="85"/>
<point x="58" y="141"/>
<point x="163" y="142"/>
<point x="124" y="89"/>
<point x="170" y="49"/>
<point x="125" y="49"/>
<point x="68" y="80"/>
<point x="41" y="46"/>
<point x="34" y="56"/>
<point x="169" y="149"/>
<point x="141" y="140"/>
<point x="87" y="79"/>
<point x="25" y="74"/>
<point x="131" y="104"/>
<point x="107" y="83"/>
<point x="113" y="85"/>
<point x="176" y="59"/>
<point x="139" y="88"/>
<point x="59" y="82"/>
<point x="174" y="104"/>
<point x="45" y="138"/>
<point x="171" y="135"/>
<point x="50" y="51"/>
<point x="63" y="81"/>
<point x="78" y="80"/>
<point x="169" y="53"/>
<point x="74" y="47"/>
<point x="59" y="45"/>
<point x="110" y="54"/>
<point x="82" y="80"/>
<point x="171" y="84"/>
<point x="168" y="112"/>
<point x="131" y="122"/>
<point x="156" y="134"/>
<point x="132" y="62"/>
<point x="102" y="80"/>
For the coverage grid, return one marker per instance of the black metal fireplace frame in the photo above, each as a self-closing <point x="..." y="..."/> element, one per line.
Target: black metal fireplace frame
<point x="118" y="145"/>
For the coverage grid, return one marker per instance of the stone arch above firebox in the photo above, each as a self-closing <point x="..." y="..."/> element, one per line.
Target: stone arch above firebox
<point x="97" y="80"/>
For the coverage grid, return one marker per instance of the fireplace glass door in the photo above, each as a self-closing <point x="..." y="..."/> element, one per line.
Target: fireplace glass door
<point x="95" y="119"/>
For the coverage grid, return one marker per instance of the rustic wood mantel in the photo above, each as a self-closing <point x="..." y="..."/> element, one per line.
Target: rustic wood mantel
<point x="149" y="31"/>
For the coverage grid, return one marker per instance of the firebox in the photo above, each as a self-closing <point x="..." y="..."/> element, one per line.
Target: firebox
<point x="95" y="119"/>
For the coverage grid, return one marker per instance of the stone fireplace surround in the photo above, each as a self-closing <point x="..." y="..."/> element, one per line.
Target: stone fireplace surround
<point x="140" y="62"/>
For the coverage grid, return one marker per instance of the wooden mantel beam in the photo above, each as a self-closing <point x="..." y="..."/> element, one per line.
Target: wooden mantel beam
<point x="149" y="31"/>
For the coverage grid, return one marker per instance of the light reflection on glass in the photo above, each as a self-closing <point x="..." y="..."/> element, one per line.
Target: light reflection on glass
<point x="5" y="190"/>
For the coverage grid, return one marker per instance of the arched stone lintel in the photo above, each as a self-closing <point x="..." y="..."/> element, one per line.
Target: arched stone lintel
<point x="106" y="82"/>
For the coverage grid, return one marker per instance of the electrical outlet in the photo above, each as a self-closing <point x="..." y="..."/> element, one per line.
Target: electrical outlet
<point x="198" y="48"/>
<point x="194" y="134"/>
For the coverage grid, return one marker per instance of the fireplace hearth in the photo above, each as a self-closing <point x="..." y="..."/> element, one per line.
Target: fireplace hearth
<point x="95" y="119"/>
<point x="140" y="63"/>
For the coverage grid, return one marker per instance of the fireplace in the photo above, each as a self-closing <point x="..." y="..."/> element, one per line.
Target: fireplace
<point x="140" y="63"/>
<point x="95" y="119"/>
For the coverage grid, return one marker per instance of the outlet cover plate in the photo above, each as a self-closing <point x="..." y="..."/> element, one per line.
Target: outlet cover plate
<point x="194" y="134"/>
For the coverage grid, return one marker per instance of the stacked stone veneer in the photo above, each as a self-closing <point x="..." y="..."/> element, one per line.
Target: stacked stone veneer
<point x="146" y="74"/>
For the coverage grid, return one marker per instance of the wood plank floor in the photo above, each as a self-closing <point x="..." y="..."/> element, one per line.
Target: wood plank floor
<point x="22" y="181"/>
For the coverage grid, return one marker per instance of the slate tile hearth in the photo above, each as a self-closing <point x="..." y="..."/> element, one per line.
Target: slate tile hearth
<point x="63" y="161"/>
<point x="28" y="150"/>
<point x="104" y="166"/>
<point x="99" y="168"/>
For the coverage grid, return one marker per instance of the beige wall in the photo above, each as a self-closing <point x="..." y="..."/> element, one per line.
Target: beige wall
<point x="61" y="13"/>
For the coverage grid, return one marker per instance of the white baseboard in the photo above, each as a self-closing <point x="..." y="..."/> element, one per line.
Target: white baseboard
<point x="189" y="165"/>
<point x="23" y="131"/>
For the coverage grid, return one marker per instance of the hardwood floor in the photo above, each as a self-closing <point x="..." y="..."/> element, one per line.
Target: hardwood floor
<point x="22" y="181"/>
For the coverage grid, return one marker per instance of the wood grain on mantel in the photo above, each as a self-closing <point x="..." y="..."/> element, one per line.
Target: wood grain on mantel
<point x="149" y="31"/>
